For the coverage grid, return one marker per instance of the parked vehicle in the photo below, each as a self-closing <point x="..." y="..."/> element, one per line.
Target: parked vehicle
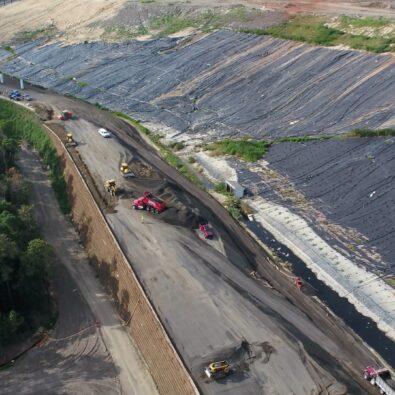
<point x="104" y="132"/>
<point x="65" y="115"/>
<point x="15" y="95"/>
<point x="206" y="231"/>
<point x="150" y="203"/>
<point x="380" y="378"/>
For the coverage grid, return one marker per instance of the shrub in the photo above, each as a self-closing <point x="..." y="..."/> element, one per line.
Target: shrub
<point x="248" y="150"/>
<point x="220" y="187"/>
<point x="372" y="133"/>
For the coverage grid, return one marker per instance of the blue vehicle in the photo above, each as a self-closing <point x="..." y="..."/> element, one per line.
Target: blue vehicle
<point x="15" y="95"/>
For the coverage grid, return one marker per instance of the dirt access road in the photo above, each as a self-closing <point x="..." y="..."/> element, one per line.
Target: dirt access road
<point x="80" y="356"/>
<point x="204" y="298"/>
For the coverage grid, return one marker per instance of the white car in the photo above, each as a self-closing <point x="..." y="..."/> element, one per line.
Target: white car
<point x="104" y="132"/>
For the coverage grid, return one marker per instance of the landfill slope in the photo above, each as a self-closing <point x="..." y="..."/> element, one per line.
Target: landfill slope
<point x="223" y="84"/>
<point x="352" y="182"/>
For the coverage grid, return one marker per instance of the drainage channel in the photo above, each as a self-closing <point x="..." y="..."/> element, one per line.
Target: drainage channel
<point x="365" y="327"/>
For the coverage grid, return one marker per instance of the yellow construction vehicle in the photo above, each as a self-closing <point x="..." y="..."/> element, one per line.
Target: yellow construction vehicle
<point x="110" y="187"/>
<point x="125" y="171"/>
<point x="70" y="142"/>
<point x="217" y="370"/>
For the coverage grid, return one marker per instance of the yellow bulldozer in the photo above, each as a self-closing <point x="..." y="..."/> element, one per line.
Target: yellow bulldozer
<point x="70" y="142"/>
<point x="110" y="187"/>
<point x="218" y="370"/>
<point x="125" y="171"/>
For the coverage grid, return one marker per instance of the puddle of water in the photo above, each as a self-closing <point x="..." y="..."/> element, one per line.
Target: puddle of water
<point x="365" y="327"/>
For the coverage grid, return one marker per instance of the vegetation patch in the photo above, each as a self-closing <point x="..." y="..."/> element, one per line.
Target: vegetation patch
<point x="346" y="21"/>
<point x="20" y="124"/>
<point x="165" y="152"/>
<point x="81" y="83"/>
<point x="177" y="145"/>
<point x="391" y="281"/>
<point x="246" y="149"/>
<point x="26" y="262"/>
<point x="124" y="33"/>
<point x="177" y="20"/>
<point x="371" y="133"/>
<point x="170" y="24"/>
<point x="220" y="187"/>
<point x="317" y="31"/>
<point x="47" y="32"/>
<point x="233" y="205"/>
<point x="252" y="150"/>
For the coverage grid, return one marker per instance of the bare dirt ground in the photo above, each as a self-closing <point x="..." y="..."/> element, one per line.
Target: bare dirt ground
<point x="204" y="298"/>
<point x="78" y="20"/>
<point x="88" y="352"/>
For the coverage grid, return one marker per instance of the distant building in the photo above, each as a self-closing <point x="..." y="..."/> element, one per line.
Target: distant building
<point x="235" y="188"/>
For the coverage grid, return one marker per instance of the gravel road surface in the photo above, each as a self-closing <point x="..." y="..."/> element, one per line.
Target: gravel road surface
<point x="80" y="356"/>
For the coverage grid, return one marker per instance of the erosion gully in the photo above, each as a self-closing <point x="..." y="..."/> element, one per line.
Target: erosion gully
<point x="364" y="327"/>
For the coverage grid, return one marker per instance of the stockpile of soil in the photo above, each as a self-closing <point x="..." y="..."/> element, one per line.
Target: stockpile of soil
<point x="43" y="111"/>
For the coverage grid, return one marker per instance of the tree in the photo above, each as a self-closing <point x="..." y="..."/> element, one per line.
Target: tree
<point x="26" y="217"/>
<point x="8" y="253"/>
<point x="9" y="324"/>
<point x="35" y="273"/>
<point x="17" y="191"/>
<point x="10" y="225"/>
<point x="39" y="260"/>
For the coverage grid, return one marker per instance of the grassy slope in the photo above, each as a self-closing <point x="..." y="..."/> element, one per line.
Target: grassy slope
<point x="315" y="30"/>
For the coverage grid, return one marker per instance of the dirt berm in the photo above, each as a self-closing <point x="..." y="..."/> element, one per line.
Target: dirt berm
<point x="115" y="272"/>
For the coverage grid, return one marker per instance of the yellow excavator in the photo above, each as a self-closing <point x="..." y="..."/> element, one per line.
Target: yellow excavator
<point x="125" y="171"/>
<point x="110" y="187"/>
<point x="70" y="142"/>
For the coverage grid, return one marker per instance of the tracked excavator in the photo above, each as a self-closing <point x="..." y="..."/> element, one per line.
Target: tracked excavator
<point x="125" y="171"/>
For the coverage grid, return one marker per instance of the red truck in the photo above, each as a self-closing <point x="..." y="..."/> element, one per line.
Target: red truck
<point x="206" y="231"/>
<point x="380" y="378"/>
<point x="65" y="115"/>
<point x="149" y="202"/>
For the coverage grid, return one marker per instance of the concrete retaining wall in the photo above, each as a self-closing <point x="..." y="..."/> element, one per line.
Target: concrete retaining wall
<point x="115" y="272"/>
